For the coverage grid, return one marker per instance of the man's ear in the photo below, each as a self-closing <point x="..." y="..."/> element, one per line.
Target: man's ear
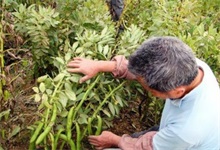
<point x="180" y="91"/>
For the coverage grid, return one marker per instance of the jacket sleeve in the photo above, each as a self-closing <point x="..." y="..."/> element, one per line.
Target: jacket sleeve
<point x="127" y="142"/>
<point x="141" y="143"/>
<point x="121" y="68"/>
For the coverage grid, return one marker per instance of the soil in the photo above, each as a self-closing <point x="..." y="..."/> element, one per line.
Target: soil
<point x="129" y="120"/>
<point x="22" y="115"/>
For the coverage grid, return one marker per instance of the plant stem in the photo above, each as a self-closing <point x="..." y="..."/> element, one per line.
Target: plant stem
<point x="2" y="73"/>
<point x="103" y="102"/>
<point x="85" y="96"/>
<point x="71" y="143"/>
<point x="106" y="98"/>
<point x="58" y="86"/>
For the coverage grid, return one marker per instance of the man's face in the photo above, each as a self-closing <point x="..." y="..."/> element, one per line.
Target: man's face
<point x="163" y="95"/>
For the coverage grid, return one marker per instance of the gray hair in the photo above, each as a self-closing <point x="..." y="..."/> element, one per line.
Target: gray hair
<point x="165" y="63"/>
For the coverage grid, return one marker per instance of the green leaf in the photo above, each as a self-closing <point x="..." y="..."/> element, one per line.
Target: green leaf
<point x="68" y="86"/>
<point x="75" y="45"/>
<point x="63" y="99"/>
<point x="59" y="77"/>
<point x="42" y="87"/>
<point x="79" y="90"/>
<point x="118" y="98"/>
<point x="49" y="91"/>
<point x="45" y="101"/>
<point x="105" y="51"/>
<point x="79" y="50"/>
<point x="100" y="48"/>
<point x="104" y="31"/>
<point x="60" y="60"/>
<point x="5" y="113"/>
<point x="80" y="96"/>
<point x="37" y="98"/>
<point x="111" y="108"/>
<point x="44" y="97"/>
<point x="88" y="44"/>
<point x="36" y="90"/>
<point x="89" y="52"/>
<point x="200" y="29"/>
<point x="7" y="94"/>
<point x="106" y="112"/>
<point x="42" y="78"/>
<point x="82" y="119"/>
<point x="64" y="113"/>
<point x="70" y="94"/>
<point x="67" y="57"/>
<point x="14" y="132"/>
<point x="75" y="78"/>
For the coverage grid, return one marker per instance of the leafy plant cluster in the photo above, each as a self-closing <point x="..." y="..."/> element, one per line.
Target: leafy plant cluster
<point x="40" y="29"/>
<point x="70" y="111"/>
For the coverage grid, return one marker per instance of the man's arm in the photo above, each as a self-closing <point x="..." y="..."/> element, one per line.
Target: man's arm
<point x="117" y="66"/>
<point x="108" y="139"/>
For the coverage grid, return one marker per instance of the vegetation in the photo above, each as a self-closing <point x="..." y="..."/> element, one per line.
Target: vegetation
<point x="39" y="38"/>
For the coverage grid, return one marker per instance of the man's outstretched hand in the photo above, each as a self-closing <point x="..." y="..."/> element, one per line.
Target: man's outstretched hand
<point x="106" y="140"/>
<point x="85" y="66"/>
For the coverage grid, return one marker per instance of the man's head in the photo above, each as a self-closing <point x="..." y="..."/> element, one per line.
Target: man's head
<point x="164" y="64"/>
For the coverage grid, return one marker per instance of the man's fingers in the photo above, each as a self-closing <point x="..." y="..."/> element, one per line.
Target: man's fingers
<point x="94" y="140"/>
<point x="77" y="70"/>
<point x="151" y="144"/>
<point x="73" y="64"/>
<point x="138" y="144"/>
<point x="147" y="144"/>
<point x="73" y="70"/>
<point x="99" y="148"/>
<point x="147" y="140"/>
<point x="95" y="143"/>
<point x="78" y="58"/>
<point x="93" y="136"/>
<point x="83" y="79"/>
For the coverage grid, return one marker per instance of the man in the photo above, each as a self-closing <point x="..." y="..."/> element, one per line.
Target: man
<point x="166" y="67"/>
<point x="116" y="8"/>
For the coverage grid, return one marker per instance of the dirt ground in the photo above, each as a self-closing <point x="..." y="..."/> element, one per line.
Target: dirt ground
<point x="22" y="115"/>
<point x="129" y="120"/>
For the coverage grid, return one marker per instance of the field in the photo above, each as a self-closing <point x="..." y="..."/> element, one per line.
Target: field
<point x="44" y="107"/>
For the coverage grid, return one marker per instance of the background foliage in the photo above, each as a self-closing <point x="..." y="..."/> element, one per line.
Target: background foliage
<point x="39" y="38"/>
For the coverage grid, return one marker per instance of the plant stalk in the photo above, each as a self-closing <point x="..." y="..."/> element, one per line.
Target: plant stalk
<point x="2" y="72"/>
<point x="85" y="96"/>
